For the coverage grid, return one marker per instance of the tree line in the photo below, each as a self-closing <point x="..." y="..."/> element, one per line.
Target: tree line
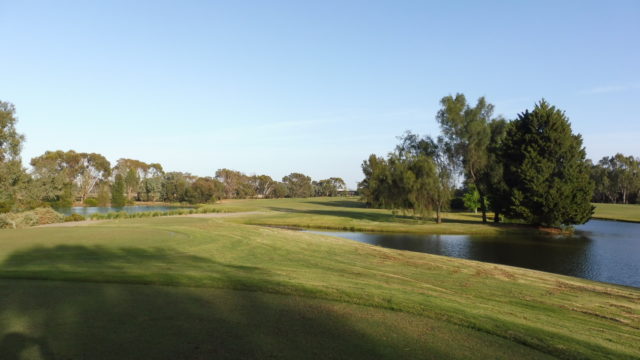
<point x="616" y="179"/>
<point x="532" y="169"/>
<point x="62" y="178"/>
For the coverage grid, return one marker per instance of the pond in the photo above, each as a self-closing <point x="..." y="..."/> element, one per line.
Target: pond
<point x="599" y="250"/>
<point x="88" y="211"/>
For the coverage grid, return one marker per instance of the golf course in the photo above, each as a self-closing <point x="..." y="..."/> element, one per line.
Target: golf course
<point x="224" y="285"/>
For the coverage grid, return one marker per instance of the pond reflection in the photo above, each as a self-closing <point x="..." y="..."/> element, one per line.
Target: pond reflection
<point x="599" y="250"/>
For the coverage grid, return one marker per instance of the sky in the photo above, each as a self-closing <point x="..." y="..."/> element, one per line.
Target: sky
<point x="274" y="87"/>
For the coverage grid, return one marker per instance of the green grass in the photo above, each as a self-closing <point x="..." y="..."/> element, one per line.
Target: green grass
<point x="181" y="287"/>
<point x="621" y="212"/>
<point x="351" y="215"/>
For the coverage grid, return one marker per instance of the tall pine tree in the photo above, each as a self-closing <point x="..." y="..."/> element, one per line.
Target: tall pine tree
<point x="545" y="169"/>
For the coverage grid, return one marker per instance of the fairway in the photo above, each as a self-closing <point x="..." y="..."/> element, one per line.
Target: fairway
<point x="620" y="212"/>
<point x="189" y="287"/>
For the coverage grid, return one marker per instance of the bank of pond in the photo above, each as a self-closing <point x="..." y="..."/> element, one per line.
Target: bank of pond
<point x="87" y="211"/>
<point x="600" y="250"/>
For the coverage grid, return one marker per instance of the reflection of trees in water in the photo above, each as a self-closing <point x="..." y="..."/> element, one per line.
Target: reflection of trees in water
<point x="562" y="255"/>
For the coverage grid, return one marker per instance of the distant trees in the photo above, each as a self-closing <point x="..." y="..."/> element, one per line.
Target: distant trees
<point x="205" y="190"/>
<point x="118" y="198"/>
<point x="329" y="187"/>
<point x="299" y="185"/>
<point x="64" y="178"/>
<point x="617" y="179"/>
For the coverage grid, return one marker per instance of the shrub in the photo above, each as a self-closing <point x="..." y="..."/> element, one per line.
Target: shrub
<point x="6" y="222"/>
<point x="74" y="217"/>
<point x="91" y="201"/>
<point x="47" y="216"/>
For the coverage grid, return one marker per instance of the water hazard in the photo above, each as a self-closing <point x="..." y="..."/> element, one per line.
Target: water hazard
<point x="600" y="250"/>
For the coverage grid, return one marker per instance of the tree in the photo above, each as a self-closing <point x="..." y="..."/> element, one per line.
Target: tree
<point x="237" y="185"/>
<point x="10" y="140"/>
<point x="416" y="177"/>
<point x="299" y="185"/>
<point x="329" y="187"/>
<point x="280" y="190"/>
<point x="204" y="190"/>
<point x="55" y="174"/>
<point x="467" y="130"/>
<point x="492" y="178"/>
<point x="13" y="178"/>
<point x="118" y="198"/>
<point x="175" y="186"/>
<point x="93" y="168"/>
<point x="545" y="169"/>
<point x="471" y="199"/>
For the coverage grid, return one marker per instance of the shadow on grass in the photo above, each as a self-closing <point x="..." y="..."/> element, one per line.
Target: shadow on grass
<point x="356" y="215"/>
<point x="103" y="320"/>
<point x="340" y="203"/>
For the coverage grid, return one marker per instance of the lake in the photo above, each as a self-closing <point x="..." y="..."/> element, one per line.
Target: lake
<point x="607" y="251"/>
<point x="88" y="211"/>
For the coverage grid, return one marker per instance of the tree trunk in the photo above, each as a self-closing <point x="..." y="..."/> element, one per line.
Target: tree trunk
<point x="496" y="217"/>
<point x="438" y="216"/>
<point x="483" y="208"/>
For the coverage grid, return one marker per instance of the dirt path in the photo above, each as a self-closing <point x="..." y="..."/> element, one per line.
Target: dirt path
<point x="207" y="215"/>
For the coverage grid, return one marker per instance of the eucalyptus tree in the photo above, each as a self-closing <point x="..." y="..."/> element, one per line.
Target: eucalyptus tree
<point x="13" y="178"/>
<point x="299" y="185"/>
<point x="93" y="168"/>
<point x="237" y="184"/>
<point x="133" y="172"/>
<point x="63" y="176"/>
<point x="329" y="187"/>
<point x="204" y="190"/>
<point x="55" y="174"/>
<point x="467" y="130"/>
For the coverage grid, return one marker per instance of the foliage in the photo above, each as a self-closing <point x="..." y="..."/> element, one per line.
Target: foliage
<point x="13" y="178"/>
<point x="38" y="216"/>
<point x="299" y="185"/>
<point x="74" y="217"/>
<point x="468" y="131"/>
<point x="118" y="198"/>
<point x="204" y="190"/>
<point x="617" y="179"/>
<point x="329" y="187"/>
<point x="417" y="177"/>
<point x="471" y="198"/>
<point x="545" y="169"/>
<point x="90" y="201"/>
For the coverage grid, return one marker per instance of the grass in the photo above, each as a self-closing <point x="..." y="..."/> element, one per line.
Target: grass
<point x="351" y="215"/>
<point x="182" y="287"/>
<point x="620" y="212"/>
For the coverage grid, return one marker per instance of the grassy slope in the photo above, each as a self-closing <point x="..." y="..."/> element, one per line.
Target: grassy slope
<point x="621" y="212"/>
<point x="337" y="298"/>
<point x="350" y="214"/>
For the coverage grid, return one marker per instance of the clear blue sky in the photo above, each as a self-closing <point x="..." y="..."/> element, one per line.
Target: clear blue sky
<point x="275" y="87"/>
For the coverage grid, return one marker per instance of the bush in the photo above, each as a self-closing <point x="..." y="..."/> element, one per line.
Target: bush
<point x="91" y="201"/>
<point x="74" y="217"/>
<point x="6" y="222"/>
<point x="39" y="216"/>
<point x="47" y="216"/>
